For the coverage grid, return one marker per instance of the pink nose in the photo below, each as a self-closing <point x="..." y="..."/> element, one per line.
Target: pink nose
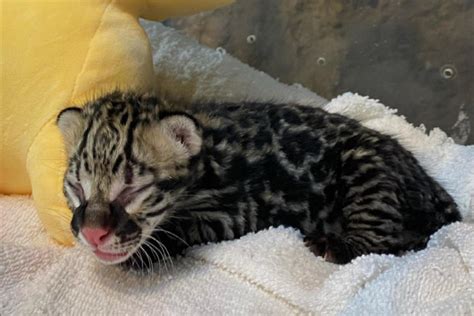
<point x="95" y="236"/>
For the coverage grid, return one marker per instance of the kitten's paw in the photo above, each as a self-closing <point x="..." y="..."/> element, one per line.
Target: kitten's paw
<point x="317" y="245"/>
<point x="331" y="247"/>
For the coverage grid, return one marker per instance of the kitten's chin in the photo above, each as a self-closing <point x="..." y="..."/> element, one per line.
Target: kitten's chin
<point x="112" y="258"/>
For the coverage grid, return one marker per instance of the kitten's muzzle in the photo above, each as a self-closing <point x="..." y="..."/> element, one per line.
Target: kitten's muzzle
<point x="106" y="228"/>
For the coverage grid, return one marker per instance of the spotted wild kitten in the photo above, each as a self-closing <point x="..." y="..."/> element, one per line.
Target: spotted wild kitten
<point x="146" y="180"/>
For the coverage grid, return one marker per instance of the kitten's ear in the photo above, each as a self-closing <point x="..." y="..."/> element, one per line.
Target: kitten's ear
<point x="71" y="124"/>
<point x="183" y="133"/>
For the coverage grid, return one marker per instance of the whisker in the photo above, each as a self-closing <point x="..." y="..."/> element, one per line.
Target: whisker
<point x="146" y="243"/>
<point x="154" y="253"/>
<point x="156" y="229"/>
<point x="150" y="261"/>
<point x="166" y="254"/>
<point x="158" y="253"/>
<point x="161" y="254"/>
<point x="139" y="252"/>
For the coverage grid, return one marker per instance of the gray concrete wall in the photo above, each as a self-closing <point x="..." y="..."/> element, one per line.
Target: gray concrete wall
<point x="413" y="55"/>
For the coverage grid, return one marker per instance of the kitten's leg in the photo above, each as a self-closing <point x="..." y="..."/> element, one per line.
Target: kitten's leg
<point x="370" y="225"/>
<point x="330" y="247"/>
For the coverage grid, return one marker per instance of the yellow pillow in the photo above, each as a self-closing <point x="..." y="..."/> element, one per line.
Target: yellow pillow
<point x="55" y="54"/>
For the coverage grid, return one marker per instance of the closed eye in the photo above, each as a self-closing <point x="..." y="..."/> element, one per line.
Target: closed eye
<point x="77" y="190"/>
<point x="128" y="194"/>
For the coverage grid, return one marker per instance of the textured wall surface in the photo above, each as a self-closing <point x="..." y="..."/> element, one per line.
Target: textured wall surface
<point x="414" y="55"/>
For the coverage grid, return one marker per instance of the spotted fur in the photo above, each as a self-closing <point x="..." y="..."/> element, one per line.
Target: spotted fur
<point x="163" y="178"/>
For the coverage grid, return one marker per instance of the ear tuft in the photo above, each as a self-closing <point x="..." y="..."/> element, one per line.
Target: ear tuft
<point x="183" y="132"/>
<point x="71" y="123"/>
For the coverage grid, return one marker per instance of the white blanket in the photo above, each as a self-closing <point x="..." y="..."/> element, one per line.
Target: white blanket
<point x="270" y="272"/>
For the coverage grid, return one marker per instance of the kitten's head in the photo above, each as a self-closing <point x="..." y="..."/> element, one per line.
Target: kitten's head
<point x="128" y="164"/>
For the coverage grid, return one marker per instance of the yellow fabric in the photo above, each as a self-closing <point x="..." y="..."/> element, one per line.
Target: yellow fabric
<point x="55" y="54"/>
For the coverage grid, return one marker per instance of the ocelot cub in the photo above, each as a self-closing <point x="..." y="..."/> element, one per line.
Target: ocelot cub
<point x="147" y="179"/>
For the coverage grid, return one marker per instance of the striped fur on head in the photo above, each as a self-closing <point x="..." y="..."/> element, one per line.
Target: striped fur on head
<point x="123" y="159"/>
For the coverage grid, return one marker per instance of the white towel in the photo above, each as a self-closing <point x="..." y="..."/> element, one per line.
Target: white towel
<point x="270" y="272"/>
